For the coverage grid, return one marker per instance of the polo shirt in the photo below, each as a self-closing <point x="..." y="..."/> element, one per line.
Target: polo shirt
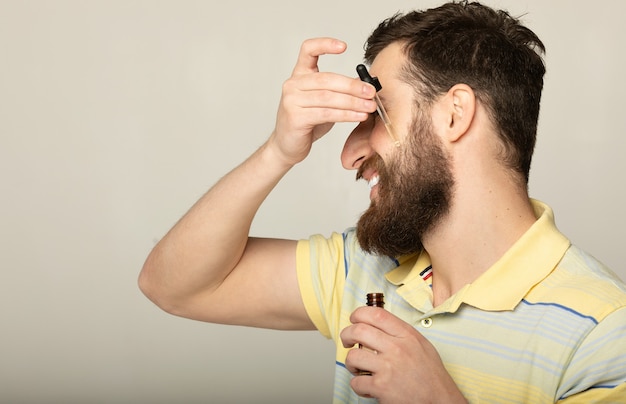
<point x="546" y="323"/>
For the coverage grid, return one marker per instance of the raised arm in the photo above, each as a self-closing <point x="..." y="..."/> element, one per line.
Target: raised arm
<point x="207" y="267"/>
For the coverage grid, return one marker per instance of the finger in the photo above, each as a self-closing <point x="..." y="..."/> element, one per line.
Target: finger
<point x="329" y="98"/>
<point x="357" y="333"/>
<point x="312" y="49"/>
<point x="341" y="94"/>
<point x="362" y="359"/>
<point x="324" y="99"/>
<point x="364" y="386"/>
<point x="382" y="320"/>
<point x="309" y="117"/>
<point x="313" y="107"/>
<point x="334" y="82"/>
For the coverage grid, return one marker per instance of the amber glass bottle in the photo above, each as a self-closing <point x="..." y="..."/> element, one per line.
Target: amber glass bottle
<point x="373" y="300"/>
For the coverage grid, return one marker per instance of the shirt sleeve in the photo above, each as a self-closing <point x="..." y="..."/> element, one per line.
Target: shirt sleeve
<point x="320" y="265"/>
<point x="597" y="371"/>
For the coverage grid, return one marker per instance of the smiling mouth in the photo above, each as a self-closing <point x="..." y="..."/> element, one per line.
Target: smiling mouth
<point x="369" y="171"/>
<point x="373" y="181"/>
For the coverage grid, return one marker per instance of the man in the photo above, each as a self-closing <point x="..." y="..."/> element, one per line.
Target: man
<point x="485" y="300"/>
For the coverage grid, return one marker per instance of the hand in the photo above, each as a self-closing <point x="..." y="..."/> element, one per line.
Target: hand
<point x="405" y="366"/>
<point x="313" y="101"/>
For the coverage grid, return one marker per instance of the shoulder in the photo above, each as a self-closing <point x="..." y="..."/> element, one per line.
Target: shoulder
<point x="582" y="284"/>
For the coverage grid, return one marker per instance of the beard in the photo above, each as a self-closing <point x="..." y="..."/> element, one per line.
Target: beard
<point x="414" y="194"/>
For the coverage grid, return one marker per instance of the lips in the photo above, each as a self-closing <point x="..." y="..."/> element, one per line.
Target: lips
<point x="369" y="172"/>
<point x="369" y="175"/>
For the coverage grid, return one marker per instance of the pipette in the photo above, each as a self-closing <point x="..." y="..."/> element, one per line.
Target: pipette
<point x="365" y="76"/>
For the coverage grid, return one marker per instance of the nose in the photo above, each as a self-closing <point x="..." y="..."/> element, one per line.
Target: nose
<point x="357" y="147"/>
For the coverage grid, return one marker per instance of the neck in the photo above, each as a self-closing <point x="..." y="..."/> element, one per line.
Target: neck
<point x="483" y="223"/>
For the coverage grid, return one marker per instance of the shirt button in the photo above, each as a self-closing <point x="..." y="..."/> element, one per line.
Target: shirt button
<point x="427" y="322"/>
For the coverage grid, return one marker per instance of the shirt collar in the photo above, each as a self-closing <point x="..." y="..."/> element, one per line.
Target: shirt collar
<point x="507" y="281"/>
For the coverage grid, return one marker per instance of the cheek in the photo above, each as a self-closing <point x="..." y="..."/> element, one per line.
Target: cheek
<point x="381" y="140"/>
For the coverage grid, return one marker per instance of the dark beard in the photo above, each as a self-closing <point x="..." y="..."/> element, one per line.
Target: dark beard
<point x="414" y="193"/>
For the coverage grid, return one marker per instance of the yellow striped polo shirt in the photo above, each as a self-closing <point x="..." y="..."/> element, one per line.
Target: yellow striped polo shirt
<point x="546" y="323"/>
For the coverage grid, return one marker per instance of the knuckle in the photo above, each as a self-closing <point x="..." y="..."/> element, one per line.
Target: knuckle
<point x="322" y="80"/>
<point x="350" y="356"/>
<point x="360" y="329"/>
<point x="288" y="85"/>
<point x="378" y="314"/>
<point x="324" y="97"/>
<point x="306" y="44"/>
<point x="344" y="334"/>
<point x="395" y="350"/>
<point x="326" y="114"/>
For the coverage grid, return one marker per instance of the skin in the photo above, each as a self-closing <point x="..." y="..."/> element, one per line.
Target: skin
<point x="207" y="267"/>
<point x="201" y="267"/>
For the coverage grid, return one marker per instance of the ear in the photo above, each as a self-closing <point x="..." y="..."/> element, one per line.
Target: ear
<point x="459" y="108"/>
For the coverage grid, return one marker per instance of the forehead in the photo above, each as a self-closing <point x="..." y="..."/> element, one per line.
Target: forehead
<point x="387" y="66"/>
<point x="388" y="62"/>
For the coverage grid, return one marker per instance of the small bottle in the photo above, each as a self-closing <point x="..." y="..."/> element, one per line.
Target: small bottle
<point x="376" y="300"/>
<point x="373" y="300"/>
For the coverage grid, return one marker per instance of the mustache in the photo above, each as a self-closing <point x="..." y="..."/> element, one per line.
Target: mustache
<point x="375" y="163"/>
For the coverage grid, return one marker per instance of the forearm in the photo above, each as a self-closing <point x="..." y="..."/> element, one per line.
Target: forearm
<point x="193" y="265"/>
<point x="199" y="252"/>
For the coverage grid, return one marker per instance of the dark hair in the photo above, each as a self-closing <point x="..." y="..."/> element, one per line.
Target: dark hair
<point x="467" y="42"/>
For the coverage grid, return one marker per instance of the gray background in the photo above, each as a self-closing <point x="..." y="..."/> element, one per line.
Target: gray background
<point x="115" y="116"/>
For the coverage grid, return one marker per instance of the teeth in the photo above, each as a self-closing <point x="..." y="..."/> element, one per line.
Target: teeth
<point x="373" y="181"/>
